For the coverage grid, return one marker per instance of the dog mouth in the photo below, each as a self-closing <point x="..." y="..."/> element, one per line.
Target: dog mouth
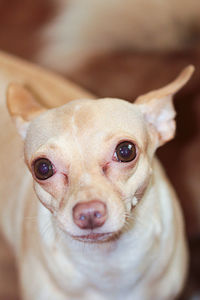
<point x="94" y="237"/>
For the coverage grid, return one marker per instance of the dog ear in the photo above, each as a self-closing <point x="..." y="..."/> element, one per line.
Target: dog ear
<point x="157" y="107"/>
<point x="22" y="106"/>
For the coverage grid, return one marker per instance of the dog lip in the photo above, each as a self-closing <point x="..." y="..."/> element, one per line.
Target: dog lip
<point x="93" y="237"/>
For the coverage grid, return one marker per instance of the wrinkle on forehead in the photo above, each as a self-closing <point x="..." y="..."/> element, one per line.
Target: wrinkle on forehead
<point x="109" y="117"/>
<point x="74" y="133"/>
<point x="85" y="122"/>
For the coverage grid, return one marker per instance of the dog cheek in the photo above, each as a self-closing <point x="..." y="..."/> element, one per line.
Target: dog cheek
<point x="56" y="186"/>
<point x="123" y="185"/>
<point x="44" y="197"/>
<point x="137" y="185"/>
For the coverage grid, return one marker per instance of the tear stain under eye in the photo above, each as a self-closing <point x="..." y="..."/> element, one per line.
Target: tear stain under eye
<point x="61" y="203"/>
<point x="66" y="179"/>
<point x="105" y="168"/>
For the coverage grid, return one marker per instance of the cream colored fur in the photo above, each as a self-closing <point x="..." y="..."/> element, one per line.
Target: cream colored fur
<point x="83" y="28"/>
<point x="145" y="254"/>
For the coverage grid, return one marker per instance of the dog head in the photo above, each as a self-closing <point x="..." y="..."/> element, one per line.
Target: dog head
<point x="91" y="160"/>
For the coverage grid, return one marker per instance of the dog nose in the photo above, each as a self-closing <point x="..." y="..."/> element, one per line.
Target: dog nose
<point x="90" y="215"/>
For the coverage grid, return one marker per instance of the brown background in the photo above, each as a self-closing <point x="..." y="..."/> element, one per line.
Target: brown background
<point x="124" y="74"/>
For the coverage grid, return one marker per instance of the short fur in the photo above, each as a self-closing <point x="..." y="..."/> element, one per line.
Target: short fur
<point x="142" y="254"/>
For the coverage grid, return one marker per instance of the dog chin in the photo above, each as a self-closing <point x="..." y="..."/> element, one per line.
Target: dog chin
<point x="95" y="237"/>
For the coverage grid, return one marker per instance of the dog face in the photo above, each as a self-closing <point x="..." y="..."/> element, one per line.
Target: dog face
<point x="99" y="155"/>
<point x="91" y="160"/>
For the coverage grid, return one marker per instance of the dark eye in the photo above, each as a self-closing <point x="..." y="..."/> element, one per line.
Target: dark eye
<point x="125" y="152"/>
<point x="43" y="168"/>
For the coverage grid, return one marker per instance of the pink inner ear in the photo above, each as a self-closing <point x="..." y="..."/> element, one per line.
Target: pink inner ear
<point x="157" y="107"/>
<point x="160" y="114"/>
<point x="21" y="103"/>
<point x="168" y="131"/>
<point x="22" y="107"/>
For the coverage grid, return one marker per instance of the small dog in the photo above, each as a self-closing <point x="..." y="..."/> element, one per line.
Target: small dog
<point x="107" y="225"/>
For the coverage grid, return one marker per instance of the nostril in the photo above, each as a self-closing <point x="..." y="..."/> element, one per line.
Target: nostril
<point x="90" y="215"/>
<point x="82" y="217"/>
<point x="97" y="215"/>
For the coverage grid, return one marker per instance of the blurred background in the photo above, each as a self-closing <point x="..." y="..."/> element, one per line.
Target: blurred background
<point x="121" y="49"/>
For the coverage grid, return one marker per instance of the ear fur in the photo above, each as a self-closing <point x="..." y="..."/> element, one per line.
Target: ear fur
<point x="157" y="107"/>
<point x="22" y="107"/>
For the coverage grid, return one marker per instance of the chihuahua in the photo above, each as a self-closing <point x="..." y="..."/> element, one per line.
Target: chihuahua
<point x="102" y="221"/>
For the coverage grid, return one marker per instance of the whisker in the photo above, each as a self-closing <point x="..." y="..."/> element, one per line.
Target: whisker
<point x="134" y="219"/>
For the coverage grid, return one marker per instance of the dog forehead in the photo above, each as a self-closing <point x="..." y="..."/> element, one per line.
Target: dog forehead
<point x="87" y="115"/>
<point x="88" y="119"/>
<point x="110" y="117"/>
<point x="105" y="114"/>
